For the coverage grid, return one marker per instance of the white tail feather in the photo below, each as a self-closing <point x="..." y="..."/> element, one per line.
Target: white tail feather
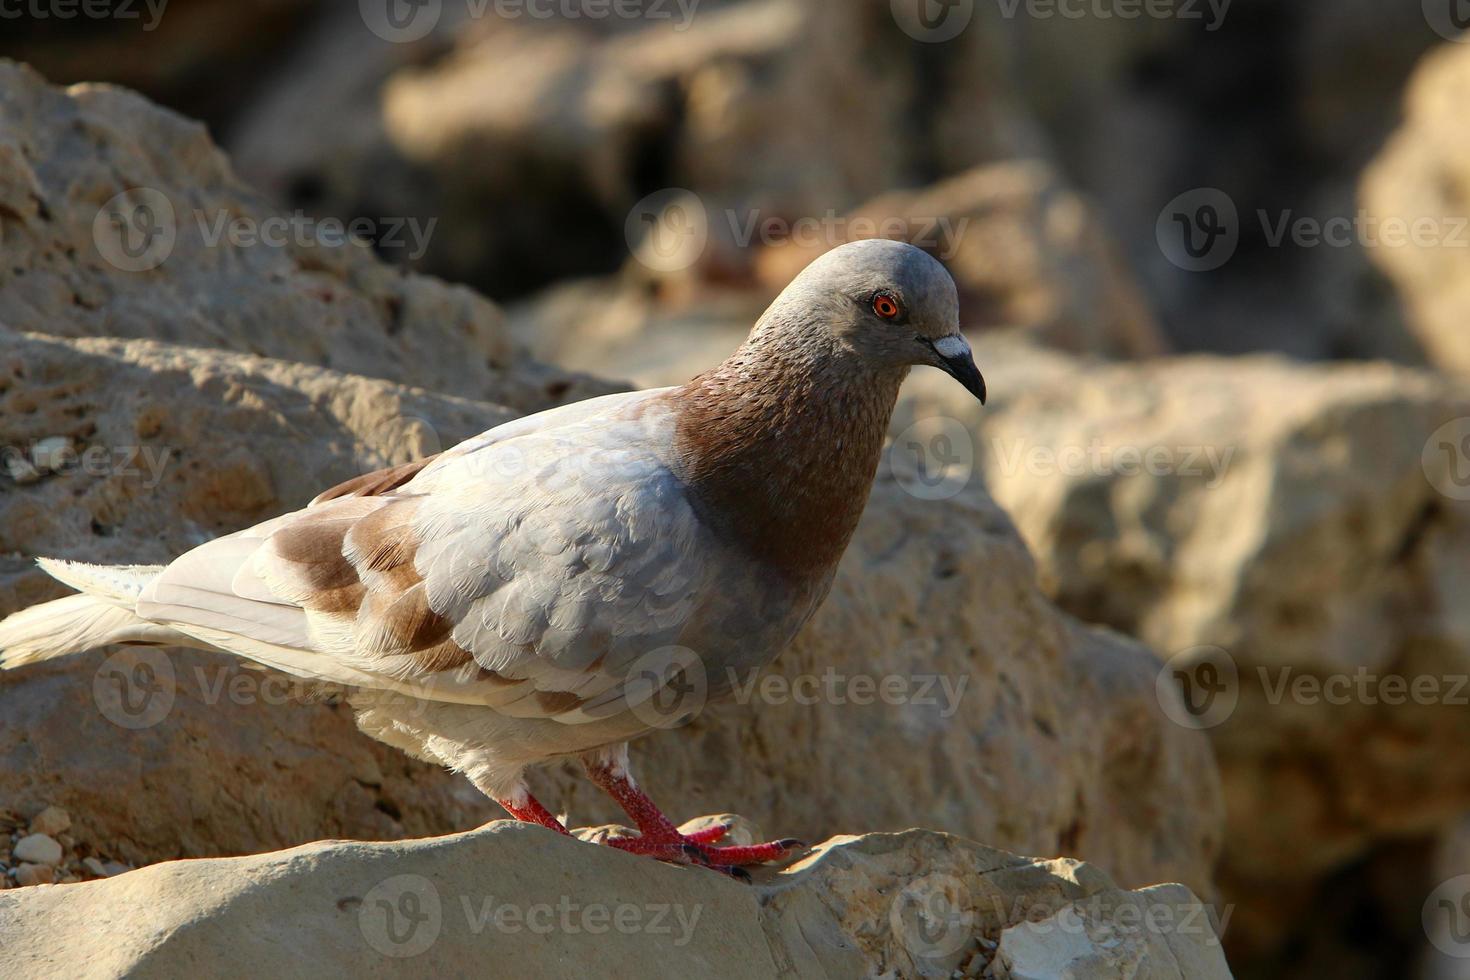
<point x="119" y="583"/>
<point x="72" y="625"/>
<point x="102" y="614"/>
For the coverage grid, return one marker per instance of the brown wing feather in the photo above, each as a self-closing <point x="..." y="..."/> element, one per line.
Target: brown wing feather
<point x="376" y="483"/>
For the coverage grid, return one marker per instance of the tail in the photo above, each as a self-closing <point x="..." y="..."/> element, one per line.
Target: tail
<point x="101" y="614"/>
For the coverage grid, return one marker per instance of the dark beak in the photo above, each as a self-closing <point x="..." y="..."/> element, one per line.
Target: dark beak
<point x="959" y="363"/>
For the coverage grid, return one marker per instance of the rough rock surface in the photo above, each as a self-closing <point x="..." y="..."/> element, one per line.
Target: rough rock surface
<point x="1001" y="718"/>
<point x="1419" y="182"/>
<point x="201" y="259"/>
<point x="558" y="126"/>
<point x="1310" y="522"/>
<point x="517" y="900"/>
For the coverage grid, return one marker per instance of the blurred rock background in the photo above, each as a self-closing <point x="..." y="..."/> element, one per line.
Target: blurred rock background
<point x="1229" y="239"/>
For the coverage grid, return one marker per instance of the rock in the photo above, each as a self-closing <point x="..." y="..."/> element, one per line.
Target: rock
<point x="1294" y="539"/>
<point x="293" y="291"/>
<point x="986" y="682"/>
<point x="94" y="867"/>
<point x="34" y="874"/>
<point x="201" y="58"/>
<point x="916" y="904"/>
<point x="624" y="327"/>
<point x="1415" y="192"/>
<point x="52" y="821"/>
<point x="1139" y="111"/>
<point x="559" y="126"/>
<point x="37" y="849"/>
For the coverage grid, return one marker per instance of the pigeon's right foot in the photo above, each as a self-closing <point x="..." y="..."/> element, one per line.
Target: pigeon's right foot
<point x="659" y="838"/>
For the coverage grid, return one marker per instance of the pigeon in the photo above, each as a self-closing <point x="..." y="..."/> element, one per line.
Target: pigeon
<point x="557" y="586"/>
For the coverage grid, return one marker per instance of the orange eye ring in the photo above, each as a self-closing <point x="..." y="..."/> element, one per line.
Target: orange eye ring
<point x="885" y="305"/>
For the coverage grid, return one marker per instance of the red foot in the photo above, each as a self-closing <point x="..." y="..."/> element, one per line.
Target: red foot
<point x="659" y="838"/>
<point x="531" y="811"/>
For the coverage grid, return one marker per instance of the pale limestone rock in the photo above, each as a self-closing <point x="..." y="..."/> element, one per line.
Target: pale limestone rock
<point x="165" y="265"/>
<point x="37" y="849"/>
<point x="1416" y="195"/>
<point x="519" y="900"/>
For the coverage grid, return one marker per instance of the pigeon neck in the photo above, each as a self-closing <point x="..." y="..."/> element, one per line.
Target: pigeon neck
<point x="780" y="446"/>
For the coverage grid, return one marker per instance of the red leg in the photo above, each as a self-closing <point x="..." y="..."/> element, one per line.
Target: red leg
<point x="530" y="810"/>
<point x="661" y="839"/>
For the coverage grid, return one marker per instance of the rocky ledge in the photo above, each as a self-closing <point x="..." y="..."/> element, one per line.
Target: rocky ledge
<point x="521" y="900"/>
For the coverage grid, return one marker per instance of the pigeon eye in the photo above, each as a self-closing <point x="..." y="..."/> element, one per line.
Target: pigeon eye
<point x="885" y="305"/>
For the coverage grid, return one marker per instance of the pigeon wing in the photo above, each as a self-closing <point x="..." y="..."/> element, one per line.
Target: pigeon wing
<point x="530" y="572"/>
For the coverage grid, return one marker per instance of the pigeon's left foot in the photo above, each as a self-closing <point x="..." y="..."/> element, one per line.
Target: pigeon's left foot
<point x="530" y="810"/>
<point x="659" y="837"/>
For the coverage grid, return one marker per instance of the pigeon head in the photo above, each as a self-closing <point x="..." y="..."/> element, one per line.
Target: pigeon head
<point x="886" y="302"/>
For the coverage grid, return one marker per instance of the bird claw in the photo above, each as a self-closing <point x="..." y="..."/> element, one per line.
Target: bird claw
<point x="692" y="849"/>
